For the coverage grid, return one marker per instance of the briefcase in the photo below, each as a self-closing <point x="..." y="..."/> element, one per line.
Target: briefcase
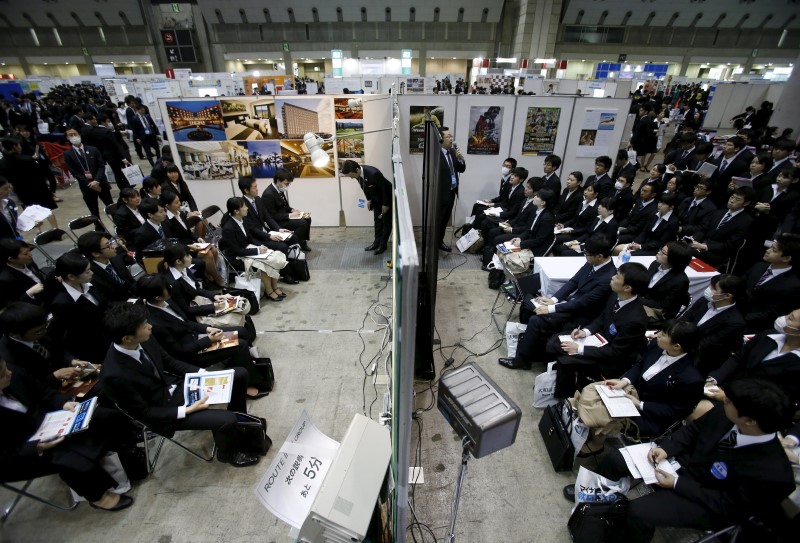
<point x="598" y="522"/>
<point x="556" y="438"/>
<point x="253" y="438"/>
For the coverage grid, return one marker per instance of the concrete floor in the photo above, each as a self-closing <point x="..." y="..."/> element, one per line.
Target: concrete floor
<point x="512" y="495"/>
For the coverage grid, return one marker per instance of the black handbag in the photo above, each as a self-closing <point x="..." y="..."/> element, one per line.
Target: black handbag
<point x="557" y="438"/>
<point x="264" y="368"/>
<point x="244" y="293"/>
<point x="598" y="522"/>
<point x="299" y="269"/>
<point x="496" y="278"/>
<point x="253" y="438"/>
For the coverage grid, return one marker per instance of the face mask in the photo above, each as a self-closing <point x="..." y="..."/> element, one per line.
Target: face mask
<point x="618" y="185"/>
<point x="780" y="326"/>
<point x="708" y="294"/>
<point x="505" y="171"/>
<point x="75" y="140"/>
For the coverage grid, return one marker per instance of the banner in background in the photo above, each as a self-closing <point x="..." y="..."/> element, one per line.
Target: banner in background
<point x="485" y="126"/>
<point x="541" y="130"/>
<point x="416" y="139"/>
<point x="596" y="133"/>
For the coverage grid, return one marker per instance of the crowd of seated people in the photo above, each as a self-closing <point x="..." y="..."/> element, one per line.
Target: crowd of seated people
<point x="700" y="362"/>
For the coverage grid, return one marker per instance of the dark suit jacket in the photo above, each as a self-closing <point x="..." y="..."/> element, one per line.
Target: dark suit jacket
<point x="605" y="185"/>
<point x="670" y="395"/>
<point x="376" y="187"/>
<point x="624" y="202"/>
<point x="126" y="222"/>
<point x="524" y="219"/>
<point x="628" y="169"/>
<point x="540" y="236"/>
<point x="568" y="205"/>
<point x="173" y="228"/>
<point x="445" y="180"/>
<point x="584" y="295"/>
<point x="695" y="219"/>
<point x="624" y="331"/>
<point x="25" y="360"/>
<point x="516" y="200"/>
<point x="720" y="335"/>
<point x="724" y="242"/>
<point x="583" y="220"/>
<point x="112" y="290"/>
<point x="669" y="293"/>
<point x="139" y="390"/>
<point x="638" y="217"/>
<point x="553" y="183"/>
<point x="182" y="190"/>
<point x="502" y="195"/>
<point x="257" y="220"/>
<point x="234" y="242"/>
<point x="183" y="294"/>
<point x="139" y="127"/>
<point x="778" y="296"/>
<point x="14" y="283"/>
<point x="105" y="141"/>
<point x="738" y="167"/>
<point x="9" y="230"/>
<point x="77" y="166"/>
<point x="145" y="235"/>
<point x="276" y="204"/>
<point x="178" y="337"/>
<point x="758" y="477"/>
<point x="80" y="324"/>
<point x="651" y="241"/>
<point x="608" y="229"/>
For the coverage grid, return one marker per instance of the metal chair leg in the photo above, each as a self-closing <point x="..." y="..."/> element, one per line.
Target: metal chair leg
<point x="20" y="492"/>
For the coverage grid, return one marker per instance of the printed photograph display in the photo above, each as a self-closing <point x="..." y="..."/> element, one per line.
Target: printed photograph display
<point x="298" y="117"/>
<point x="296" y="158"/>
<point x="212" y="160"/>
<point x="484" y="132"/>
<point x="199" y="120"/>
<point x="541" y="130"/>
<point x="341" y="106"/>
<point x="348" y="146"/>
<point x="249" y="119"/>
<point x="416" y="139"/>
<point x="596" y="133"/>
<point x="264" y="157"/>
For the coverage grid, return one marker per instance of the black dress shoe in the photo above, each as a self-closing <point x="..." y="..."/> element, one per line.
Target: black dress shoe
<point x="444" y="247"/>
<point x="569" y="493"/>
<point x="305" y="247"/>
<point x="380" y="250"/>
<point x="288" y="279"/>
<point x="514" y="364"/>
<point x="239" y="459"/>
<point x="484" y="267"/>
<point x="123" y="503"/>
<point x="589" y="452"/>
<point x="258" y="396"/>
<point x="371" y="247"/>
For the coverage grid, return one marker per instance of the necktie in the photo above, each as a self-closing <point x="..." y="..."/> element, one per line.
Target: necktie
<point x="161" y="232"/>
<point x="148" y="363"/>
<point x="729" y="441"/>
<point x="694" y="205"/>
<point x="764" y="278"/>
<point x="591" y="273"/>
<point x="38" y="273"/>
<point x="449" y="161"/>
<point x="255" y="209"/>
<point x="724" y="220"/>
<point x="41" y="350"/>
<point x="114" y="275"/>
<point x="615" y="308"/>
<point x="723" y="165"/>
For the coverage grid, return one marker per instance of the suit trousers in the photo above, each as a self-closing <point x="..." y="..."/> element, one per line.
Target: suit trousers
<point x="90" y="197"/>
<point x="573" y="372"/>
<point x="238" y="356"/>
<point x="301" y="229"/>
<point x="90" y="483"/>
<point x="531" y="347"/>
<point x="119" y="177"/>
<point x="445" y="210"/>
<point x="661" y="508"/>
<point x="150" y="142"/>
<point x="383" y="225"/>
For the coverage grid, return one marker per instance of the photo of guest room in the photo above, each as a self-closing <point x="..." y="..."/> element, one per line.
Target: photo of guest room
<point x="296" y="159"/>
<point x="249" y="120"/>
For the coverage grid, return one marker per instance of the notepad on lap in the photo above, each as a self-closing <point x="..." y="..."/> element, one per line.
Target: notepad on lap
<point x="618" y="405"/>
<point x="640" y="465"/>
<point x="595" y="340"/>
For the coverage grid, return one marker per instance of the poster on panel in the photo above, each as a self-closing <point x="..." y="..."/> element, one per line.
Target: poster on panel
<point x="248" y="119"/>
<point x="596" y="134"/>
<point x="209" y="160"/>
<point x="349" y="130"/>
<point x="416" y="139"/>
<point x="296" y="117"/>
<point x="196" y="120"/>
<point x="541" y="131"/>
<point x="296" y="158"/>
<point x="485" y="126"/>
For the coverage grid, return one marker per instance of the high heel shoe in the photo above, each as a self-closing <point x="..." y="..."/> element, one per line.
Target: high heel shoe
<point x="269" y="297"/>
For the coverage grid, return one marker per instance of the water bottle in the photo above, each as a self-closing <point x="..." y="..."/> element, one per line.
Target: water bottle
<point x="626" y="255"/>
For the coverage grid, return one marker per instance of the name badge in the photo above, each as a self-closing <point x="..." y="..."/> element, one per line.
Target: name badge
<point x="88" y="175"/>
<point x="612" y="329"/>
<point x="719" y="470"/>
<point x="453" y="180"/>
<point x="147" y="131"/>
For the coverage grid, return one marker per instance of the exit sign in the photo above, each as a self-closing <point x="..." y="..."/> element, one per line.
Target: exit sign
<point x="285" y="46"/>
<point x="176" y="8"/>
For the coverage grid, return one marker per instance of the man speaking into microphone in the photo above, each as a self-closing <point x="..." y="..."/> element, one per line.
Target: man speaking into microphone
<point x="450" y="165"/>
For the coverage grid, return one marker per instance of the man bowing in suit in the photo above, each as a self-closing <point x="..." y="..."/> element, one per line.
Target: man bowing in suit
<point x="378" y="191"/>
<point x="451" y="163"/>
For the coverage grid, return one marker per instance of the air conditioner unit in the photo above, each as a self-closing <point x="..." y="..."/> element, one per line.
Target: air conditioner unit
<point x="346" y="500"/>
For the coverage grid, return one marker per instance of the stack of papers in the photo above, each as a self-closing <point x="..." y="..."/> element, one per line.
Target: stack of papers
<point x="282" y="235"/>
<point x="595" y="340"/>
<point x="562" y="230"/>
<point x="615" y="401"/>
<point x="742" y="181"/>
<point x="493" y="211"/>
<point x="641" y="467"/>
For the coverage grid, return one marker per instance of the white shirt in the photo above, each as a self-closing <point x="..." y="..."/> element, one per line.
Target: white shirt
<point x="713" y="312"/>
<point x="743" y="440"/>
<point x="552" y="308"/>
<point x="622" y="303"/>
<point x="135" y="354"/>
<point x="27" y="271"/>
<point x="648" y="202"/>
<point x="661" y="219"/>
<point x="658" y="275"/>
<point x="5" y="210"/>
<point x="775" y="273"/>
<point x="588" y="204"/>
<point x="171" y="215"/>
<point x="75" y="294"/>
<point x="696" y="202"/>
<point x="167" y="309"/>
<point x="660" y="365"/>
<point x="12" y="404"/>
<point x="780" y="339"/>
<point x="177" y="274"/>
<point x="240" y="223"/>
<point x="154" y="225"/>
<point x="136" y="214"/>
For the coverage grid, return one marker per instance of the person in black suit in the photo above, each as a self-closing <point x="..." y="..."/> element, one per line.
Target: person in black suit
<point x="683" y="158"/>
<point x="622" y="323"/>
<point x="775" y="200"/>
<point x="516" y="199"/>
<point x="28" y="177"/>
<point x="667" y="383"/>
<point x="656" y="180"/>
<point x="236" y="242"/>
<point x="551" y="179"/>
<point x="773" y="287"/>
<point x="694" y="214"/>
<point x="277" y="206"/>
<point x="582" y="297"/>
<point x="623" y="167"/>
<point x="623" y="196"/>
<point x="719" y="320"/>
<point x="8" y="212"/>
<point x="78" y="310"/>
<point x="605" y="224"/>
<point x="733" y="162"/>
<point x="145" y="132"/>
<point x="639" y="216"/>
<point x="174" y="181"/>
<point x="127" y="216"/>
<point x="20" y="277"/>
<point x="728" y="229"/>
<point x="378" y="191"/>
<point x="585" y="217"/>
<point x="605" y="185"/>
<point x="110" y="274"/>
<point x="660" y="228"/>
<point x="644" y="135"/>
<point x="87" y="166"/>
<point x="104" y="140"/>
<point x="76" y="458"/>
<point x="153" y="228"/>
<point x="135" y="378"/>
<point x="186" y="339"/>
<point x="498" y="201"/>
<point x="451" y="164"/>
<point x="668" y="288"/>
<point x="570" y="200"/>
<point x="722" y="479"/>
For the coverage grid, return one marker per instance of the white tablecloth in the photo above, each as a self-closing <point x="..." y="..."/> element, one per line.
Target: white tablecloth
<point x="555" y="271"/>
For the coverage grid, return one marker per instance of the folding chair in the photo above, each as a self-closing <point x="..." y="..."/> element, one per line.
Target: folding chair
<point x="20" y="492"/>
<point x="49" y="236"/>
<point x="684" y="306"/>
<point x="209" y="212"/>
<point x="84" y="222"/>
<point x="109" y="210"/>
<point x="514" y="298"/>
<point x="150" y="434"/>
<point x="213" y="233"/>
<point x="730" y="267"/>
<point x="733" y="533"/>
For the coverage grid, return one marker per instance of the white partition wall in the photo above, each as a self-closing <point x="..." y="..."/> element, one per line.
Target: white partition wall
<point x="585" y="118"/>
<point x="730" y="99"/>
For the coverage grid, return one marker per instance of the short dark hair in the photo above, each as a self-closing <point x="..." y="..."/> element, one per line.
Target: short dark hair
<point x="670" y="199"/>
<point x="684" y="333"/>
<point x="554" y="160"/>
<point x="734" y="285"/>
<point x="549" y="197"/>
<point x="679" y="254"/>
<point x="636" y="276"/>
<point x="520" y="172"/>
<point x="89" y="242"/>
<point x="578" y="175"/>
<point x="166" y="197"/>
<point x="70" y="264"/>
<point x="149" y="183"/>
<point x="748" y="193"/>
<point x="765" y="159"/>
<point x="604" y="160"/>
<point x="737" y="141"/>
<point x="513" y="161"/>
<point x="350" y="166"/>
<point x="784" y="145"/>
<point x="149" y="206"/>
<point x="10" y="248"/>
<point x="622" y="154"/>
<point x="20" y="317"/>
<point x="172" y="254"/>
<point x="703" y="148"/>
<point x="233" y="204"/>
<point x="122" y="320"/>
<point x="761" y="400"/>
<point x="150" y="287"/>
<point x="282" y="174"/>
<point x="245" y="182"/>
<point x="790" y="171"/>
<point x="686" y="139"/>
<point x="597" y="244"/>
<point x="661" y="168"/>
<point x="609" y="203"/>
<point x="790" y="246"/>
<point x="127" y="192"/>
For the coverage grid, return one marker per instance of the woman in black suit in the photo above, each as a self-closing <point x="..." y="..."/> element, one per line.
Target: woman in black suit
<point x="127" y="217"/>
<point x="604" y="224"/>
<point x="174" y="182"/>
<point x="539" y="238"/>
<point x="571" y="198"/>
<point x="237" y="243"/>
<point x="186" y="227"/>
<point x="669" y="286"/>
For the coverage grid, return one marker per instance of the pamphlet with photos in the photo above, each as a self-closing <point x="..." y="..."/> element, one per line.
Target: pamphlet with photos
<point x="63" y="423"/>
<point x="217" y="385"/>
